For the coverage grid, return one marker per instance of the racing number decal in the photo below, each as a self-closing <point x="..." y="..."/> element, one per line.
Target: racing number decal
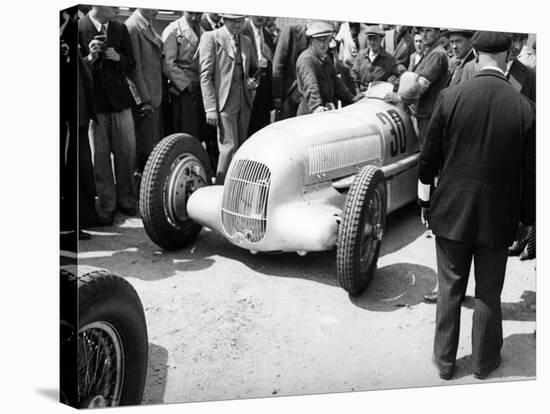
<point x="399" y="143"/>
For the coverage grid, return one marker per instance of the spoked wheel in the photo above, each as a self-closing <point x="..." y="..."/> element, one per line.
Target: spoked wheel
<point x="176" y="168"/>
<point x="361" y="230"/>
<point x="104" y="359"/>
<point x="100" y="365"/>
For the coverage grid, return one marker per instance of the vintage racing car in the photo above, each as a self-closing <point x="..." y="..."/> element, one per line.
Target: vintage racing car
<point x="305" y="184"/>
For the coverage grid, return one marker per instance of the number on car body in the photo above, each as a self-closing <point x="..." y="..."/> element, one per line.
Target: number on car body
<point x="398" y="145"/>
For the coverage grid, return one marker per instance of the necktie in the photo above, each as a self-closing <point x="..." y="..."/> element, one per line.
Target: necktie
<point x="237" y="44"/>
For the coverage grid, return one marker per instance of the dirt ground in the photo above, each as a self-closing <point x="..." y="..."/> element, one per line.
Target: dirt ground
<point x="226" y="324"/>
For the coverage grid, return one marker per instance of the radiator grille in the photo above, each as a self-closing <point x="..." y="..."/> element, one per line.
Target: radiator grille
<point x="244" y="207"/>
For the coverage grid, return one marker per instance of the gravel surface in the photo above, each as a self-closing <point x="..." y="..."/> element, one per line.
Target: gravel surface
<point x="226" y="324"/>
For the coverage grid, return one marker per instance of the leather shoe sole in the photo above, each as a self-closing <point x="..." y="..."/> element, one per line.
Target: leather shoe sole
<point x="484" y="374"/>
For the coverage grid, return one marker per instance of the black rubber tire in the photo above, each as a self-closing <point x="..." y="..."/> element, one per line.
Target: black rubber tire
<point x="102" y="297"/>
<point x="166" y="233"/>
<point x="368" y="184"/>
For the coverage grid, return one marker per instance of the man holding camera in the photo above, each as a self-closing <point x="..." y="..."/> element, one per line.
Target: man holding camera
<point x="105" y="43"/>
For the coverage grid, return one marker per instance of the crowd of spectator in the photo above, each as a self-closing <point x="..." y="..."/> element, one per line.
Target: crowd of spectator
<point x="223" y="77"/>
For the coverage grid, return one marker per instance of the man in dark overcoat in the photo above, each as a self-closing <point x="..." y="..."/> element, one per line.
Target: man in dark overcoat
<point x="291" y="43"/>
<point x="480" y="141"/>
<point x="263" y="48"/>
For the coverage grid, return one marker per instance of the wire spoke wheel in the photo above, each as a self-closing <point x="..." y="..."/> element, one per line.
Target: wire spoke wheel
<point x="100" y="366"/>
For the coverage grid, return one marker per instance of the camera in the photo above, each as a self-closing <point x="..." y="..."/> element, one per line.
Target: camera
<point x="103" y="42"/>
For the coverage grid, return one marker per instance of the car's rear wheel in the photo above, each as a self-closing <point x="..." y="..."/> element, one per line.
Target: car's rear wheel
<point x="361" y="230"/>
<point x="176" y="168"/>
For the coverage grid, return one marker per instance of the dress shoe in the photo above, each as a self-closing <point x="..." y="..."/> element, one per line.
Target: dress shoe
<point x="430" y="297"/>
<point x="128" y="211"/>
<point x="524" y="255"/>
<point x="82" y="235"/>
<point x="485" y="373"/>
<point x="516" y="247"/>
<point x="446" y="374"/>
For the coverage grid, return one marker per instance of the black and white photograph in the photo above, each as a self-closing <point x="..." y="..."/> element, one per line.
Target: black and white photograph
<point x="257" y="202"/>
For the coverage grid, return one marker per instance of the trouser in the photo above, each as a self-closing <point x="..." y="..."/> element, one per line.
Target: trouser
<point x="232" y="129"/>
<point x="422" y="129"/>
<point x="87" y="215"/>
<point x="114" y="133"/>
<point x="263" y="103"/>
<point x="290" y="105"/>
<point x="453" y="267"/>
<point x="188" y="117"/>
<point x="148" y="134"/>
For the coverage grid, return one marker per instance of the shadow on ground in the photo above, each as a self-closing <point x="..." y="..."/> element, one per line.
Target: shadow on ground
<point x="396" y="286"/>
<point x="126" y="250"/>
<point x="157" y="373"/>
<point x="518" y="359"/>
<point x="524" y="311"/>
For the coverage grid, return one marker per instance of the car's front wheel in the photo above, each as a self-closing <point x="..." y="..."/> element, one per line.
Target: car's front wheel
<point x="361" y="230"/>
<point x="176" y="168"/>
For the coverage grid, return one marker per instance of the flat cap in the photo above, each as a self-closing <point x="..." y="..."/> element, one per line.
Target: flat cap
<point x="466" y="33"/>
<point x="232" y="16"/>
<point x="375" y="30"/>
<point x="319" y="29"/>
<point x="491" y="42"/>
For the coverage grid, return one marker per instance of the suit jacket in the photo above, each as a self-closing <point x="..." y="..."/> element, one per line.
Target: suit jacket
<point x="404" y="49"/>
<point x="292" y="42"/>
<point x="523" y="79"/>
<point x="217" y="62"/>
<point x="111" y="91"/>
<point x="181" y="58"/>
<point x="147" y="49"/>
<point x="269" y="45"/>
<point x="318" y="83"/>
<point x="412" y="65"/>
<point x="520" y="77"/>
<point x="364" y="71"/>
<point x="456" y="67"/>
<point x="481" y="141"/>
<point x="434" y="66"/>
<point x="205" y="24"/>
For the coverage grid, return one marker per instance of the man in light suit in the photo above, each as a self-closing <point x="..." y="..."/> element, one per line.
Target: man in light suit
<point x="147" y="78"/>
<point x="228" y="68"/>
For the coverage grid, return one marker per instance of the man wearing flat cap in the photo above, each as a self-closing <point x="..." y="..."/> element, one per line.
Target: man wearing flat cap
<point x="373" y="63"/>
<point x="227" y="73"/>
<point x="433" y="71"/>
<point x="461" y="46"/>
<point x="480" y="142"/>
<point x="315" y="74"/>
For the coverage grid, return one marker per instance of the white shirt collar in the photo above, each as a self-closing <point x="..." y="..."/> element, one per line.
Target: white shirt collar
<point x="97" y="24"/>
<point x="493" y="68"/>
